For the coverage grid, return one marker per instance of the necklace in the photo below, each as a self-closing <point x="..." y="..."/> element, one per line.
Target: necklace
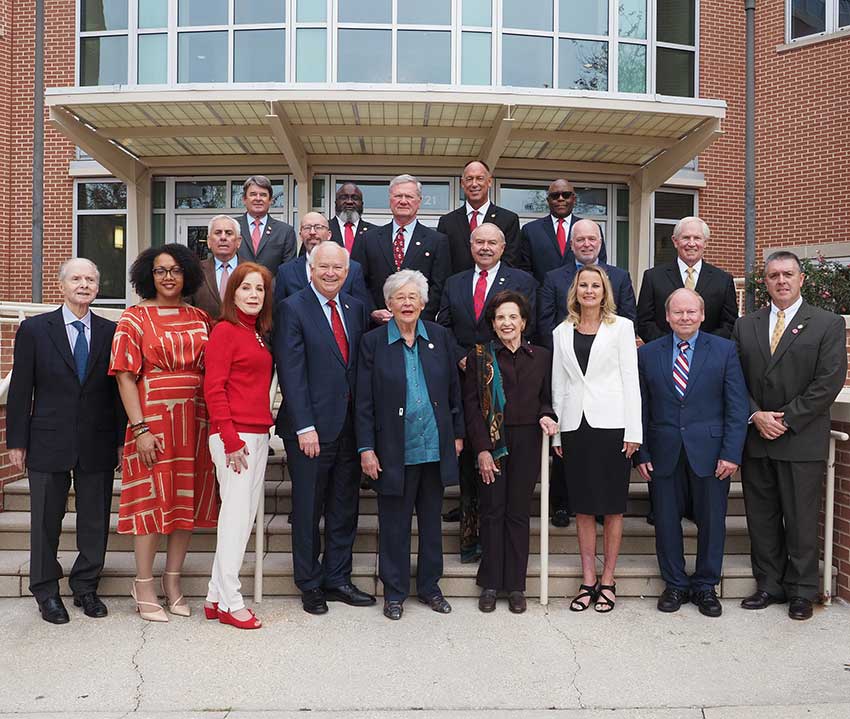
<point x="256" y="334"/>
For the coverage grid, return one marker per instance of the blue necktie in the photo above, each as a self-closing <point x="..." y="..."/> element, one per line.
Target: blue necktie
<point x="81" y="350"/>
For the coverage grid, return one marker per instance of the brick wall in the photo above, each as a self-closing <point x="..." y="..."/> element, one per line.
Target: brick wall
<point x="7" y="338"/>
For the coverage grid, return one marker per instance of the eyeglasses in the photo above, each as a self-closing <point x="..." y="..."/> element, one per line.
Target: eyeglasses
<point x="314" y="228"/>
<point x="161" y="272"/>
<point x="566" y="195"/>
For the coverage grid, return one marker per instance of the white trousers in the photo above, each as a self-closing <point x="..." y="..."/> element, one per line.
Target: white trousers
<point x="240" y="494"/>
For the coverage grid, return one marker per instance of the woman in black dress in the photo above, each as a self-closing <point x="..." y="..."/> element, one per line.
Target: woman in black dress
<point x="596" y="395"/>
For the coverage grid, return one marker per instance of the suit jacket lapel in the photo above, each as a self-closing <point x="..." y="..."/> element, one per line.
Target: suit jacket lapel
<point x="385" y="241"/>
<point x="319" y="318"/>
<point x="352" y="325"/>
<point x="500" y="282"/>
<point x="302" y="270"/>
<point x="267" y="233"/>
<point x="414" y="247"/>
<point x="59" y="337"/>
<point x="704" y="279"/>
<point x="427" y="359"/>
<point x="675" y="277"/>
<point x="98" y="342"/>
<point x="549" y="229"/>
<point x="762" y="329"/>
<point x="789" y="336"/>
<point x="701" y="351"/>
<point x="569" y="349"/>
<point x="665" y="363"/>
<point x="209" y="277"/>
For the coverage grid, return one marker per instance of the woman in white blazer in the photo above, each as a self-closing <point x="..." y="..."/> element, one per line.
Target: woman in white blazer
<point x="596" y="396"/>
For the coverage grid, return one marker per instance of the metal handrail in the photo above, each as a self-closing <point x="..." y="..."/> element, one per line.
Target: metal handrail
<point x="259" y="535"/>
<point x="829" y="514"/>
<point x="544" y="520"/>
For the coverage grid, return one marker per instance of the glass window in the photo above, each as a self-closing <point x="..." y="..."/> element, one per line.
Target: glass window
<point x="311" y="48"/>
<point x="103" y="60"/>
<point x="435" y="196"/>
<point x="259" y="56"/>
<point x="843" y="13"/>
<point x="631" y="68"/>
<point x="528" y="14"/>
<point x="153" y="59"/>
<point x="157" y="229"/>
<point x="587" y="17"/>
<point x="259" y="11"/>
<point x="200" y="195"/>
<point x="202" y="12"/>
<point x="102" y="239"/>
<point x="663" y="250"/>
<point x="416" y="12"/>
<point x="100" y="15"/>
<point x="623" y="244"/>
<point x="526" y="61"/>
<point x="477" y="13"/>
<point x="676" y="21"/>
<point x="632" y="18"/>
<point x="591" y="201"/>
<point x="424" y="56"/>
<point x="153" y="13"/>
<point x="673" y="205"/>
<point x="311" y="11"/>
<point x="365" y="56"/>
<point x="675" y="72"/>
<point x="376" y="193"/>
<point x="278" y="194"/>
<point x="808" y="17"/>
<point x="158" y="199"/>
<point x="475" y="63"/>
<point x="365" y="11"/>
<point x="524" y="200"/>
<point x="101" y="196"/>
<point x="202" y="56"/>
<point x="583" y="64"/>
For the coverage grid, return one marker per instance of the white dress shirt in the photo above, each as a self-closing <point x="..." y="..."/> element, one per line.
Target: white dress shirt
<point x="789" y="315"/>
<point x="567" y="222"/>
<point x="491" y="277"/>
<point x="264" y="220"/>
<point x="683" y="270"/>
<point x="219" y="266"/>
<point x="482" y="212"/>
<point x="68" y="317"/>
<point x="408" y="232"/>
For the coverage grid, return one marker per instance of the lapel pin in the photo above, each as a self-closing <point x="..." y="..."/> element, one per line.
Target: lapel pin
<point x="427" y="254"/>
<point x="347" y="307"/>
<point x="501" y="280"/>
<point x="799" y="327"/>
<point x="430" y="346"/>
<point x="418" y="243"/>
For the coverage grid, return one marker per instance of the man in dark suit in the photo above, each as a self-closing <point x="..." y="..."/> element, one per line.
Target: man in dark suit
<point x="223" y="239"/>
<point x="405" y="244"/>
<point x="694" y="427"/>
<point x="462" y="311"/>
<point x="795" y="362"/>
<point x="457" y="225"/>
<point x="316" y="353"/>
<point x="544" y="243"/>
<point x="265" y="240"/>
<point x="348" y="224"/>
<point x="64" y="417"/>
<point x="292" y="276"/>
<point x="716" y="287"/>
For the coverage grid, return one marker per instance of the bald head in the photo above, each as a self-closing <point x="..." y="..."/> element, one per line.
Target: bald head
<point x="314" y="229"/>
<point x="586" y="241"/>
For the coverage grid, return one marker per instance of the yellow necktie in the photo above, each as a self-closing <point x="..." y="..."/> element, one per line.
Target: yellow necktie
<point x="689" y="282"/>
<point x="777" y="331"/>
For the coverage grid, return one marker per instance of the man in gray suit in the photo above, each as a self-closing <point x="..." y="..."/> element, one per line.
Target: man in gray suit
<point x="265" y="240"/>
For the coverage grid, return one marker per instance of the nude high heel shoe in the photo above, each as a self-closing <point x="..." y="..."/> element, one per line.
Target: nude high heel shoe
<point x="158" y="615"/>
<point x="178" y="607"/>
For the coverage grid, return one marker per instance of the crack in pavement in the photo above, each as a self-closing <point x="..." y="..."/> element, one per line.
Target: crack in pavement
<point x="137" y="698"/>
<point x="575" y="658"/>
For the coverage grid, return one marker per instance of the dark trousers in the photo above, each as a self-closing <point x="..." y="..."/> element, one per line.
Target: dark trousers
<point x="329" y="482"/>
<point x="469" y="500"/>
<point x="48" y="500"/>
<point x="423" y="490"/>
<point x="783" y="504"/>
<point x="505" y="509"/>
<point x="670" y="499"/>
<point x="558" y="496"/>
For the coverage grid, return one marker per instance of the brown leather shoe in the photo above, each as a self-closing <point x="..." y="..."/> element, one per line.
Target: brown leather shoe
<point x="487" y="600"/>
<point x="516" y="602"/>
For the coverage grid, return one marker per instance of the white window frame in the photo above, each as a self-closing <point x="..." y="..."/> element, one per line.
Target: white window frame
<point x="830" y="28"/>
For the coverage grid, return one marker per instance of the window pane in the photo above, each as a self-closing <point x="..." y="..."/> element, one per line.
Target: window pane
<point x="633" y="18"/>
<point x="259" y="56"/>
<point x="477" y="12"/>
<point x="202" y="12"/>
<point x="526" y="61"/>
<point x="376" y="193"/>
<point x="673" y="205"/>
<point x="622" y="202"/>
<point x="528" y="14"/>
<point x="196" y="240"/>
<point x="158" y="199"/>
<point x="102" y="239"/>
<point x="475" y="63"/>
<point x="319" y="193"/>
<point x="434" y="12"/>
<point x="153" y="13"/>
<point x="583" y="64"/>
<point x="631" y="68"/>
<point x="278" y="195"/>
<point x="675" y="21"/>
<point x="157" y="230"/>
<point x="200" y="195"/>
<point x="153" y="59"/>
<point x="103" y="60"/>
<point x="663" y="245"/>
<point x="435" y="197"/>
<point x="365" y="11"/>
<point x="623" y="244"/>
<point x="101" y="196"/>
<point x="311" y="48"/>
<point x="591" y="201"/>
<point x="675" y="73"/>
<point x="257" y="11"/>
<point x="588" y="17"/>
<point x="424" y="56"/>
<point x="524" y="200"/>
<point x="312" y="11"/>
<point x="365" y="56"/>
<point x="103" y="15"/>
<point x="202" y="57"/>
<point x="808" y="17"/>
<point x="843" y="13"/>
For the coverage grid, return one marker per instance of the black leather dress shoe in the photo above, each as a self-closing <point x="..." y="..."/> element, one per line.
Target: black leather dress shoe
<point x="348" y="594"/>
<point x="91" y="604"/>
<point x="561" y="518"/>
<point x="53" y="610"/>
<point x="437" y="603"/>
<point x="393" y="609"/>
<point x="650" y="519"/>
<point x="453" y="515"/>
<point x="761" y="600"/>
<point x="313" y="601"/>
<point x="672" y="599"/>
<point x="708" y="603"/>
<point x="800" y="608"/>
<point x="469" y="555"/>
<point x="516" y="602"/>
<point x="487" y="600"/>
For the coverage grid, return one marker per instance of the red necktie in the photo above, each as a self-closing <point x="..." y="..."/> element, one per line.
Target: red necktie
<point x="339" y="331"/>
<point x="349" y="236"/>
<point x="473" y="221"/>
<point x="479" y="294"/>
<point x="255" y="236"/>
<point x="562" y="236"/>
<point x="398" y="248"/>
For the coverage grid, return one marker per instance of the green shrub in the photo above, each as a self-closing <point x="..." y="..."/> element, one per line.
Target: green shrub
<point x="827" y="285"/>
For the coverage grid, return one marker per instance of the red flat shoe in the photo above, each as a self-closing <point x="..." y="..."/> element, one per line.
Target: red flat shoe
<point x="228" y="618"/>
<point x="211" y="612"/>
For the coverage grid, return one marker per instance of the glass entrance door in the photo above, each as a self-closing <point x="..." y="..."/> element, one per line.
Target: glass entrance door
<point x="192" y="232"/>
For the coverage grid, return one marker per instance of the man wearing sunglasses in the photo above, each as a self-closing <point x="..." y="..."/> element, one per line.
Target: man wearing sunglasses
<point x="545" y="242"/>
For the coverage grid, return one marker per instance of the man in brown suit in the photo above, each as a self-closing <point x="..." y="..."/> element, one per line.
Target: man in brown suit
<point x="223" y="239"/>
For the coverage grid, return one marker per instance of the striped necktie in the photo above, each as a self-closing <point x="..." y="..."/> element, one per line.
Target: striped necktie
<point x="681" y="369"/>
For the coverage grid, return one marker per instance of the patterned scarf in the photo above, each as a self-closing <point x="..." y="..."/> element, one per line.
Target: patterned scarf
<point x="491" y="395"/>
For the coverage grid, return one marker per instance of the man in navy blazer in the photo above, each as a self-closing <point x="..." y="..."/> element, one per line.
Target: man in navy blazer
<point x="64" y="417"/>
<point x="404" y="244"/>
<point x="292" y="276"/>
<point x="316" y="353"/>
<point x="545" y="242"/>
<point x="695" y="411"/>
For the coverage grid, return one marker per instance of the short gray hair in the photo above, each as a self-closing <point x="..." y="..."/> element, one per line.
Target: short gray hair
<point x="687" y="291"/>
<point x="311" y="259"/>
<point x="487" y="227"/>
<point x="406" y="277"/>
<point x="677" y="230"/>
<point x="63" y="268"/>
<point x="260" y="181"/>
<point x="224" y="217"/>
<point x="402" y="179"/>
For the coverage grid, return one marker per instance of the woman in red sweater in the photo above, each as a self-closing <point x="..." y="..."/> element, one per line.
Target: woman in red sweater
<point x="236" y="389"/>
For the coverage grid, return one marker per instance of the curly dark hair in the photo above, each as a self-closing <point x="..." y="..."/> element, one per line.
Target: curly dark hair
<point x="141" y="271"/>
<point x="501" y="298"/>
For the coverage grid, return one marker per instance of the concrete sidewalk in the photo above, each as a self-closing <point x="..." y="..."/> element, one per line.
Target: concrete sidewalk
<point x="545" y="664"/>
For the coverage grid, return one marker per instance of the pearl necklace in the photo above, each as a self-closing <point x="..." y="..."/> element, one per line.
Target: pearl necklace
<point x="256" y="334"/>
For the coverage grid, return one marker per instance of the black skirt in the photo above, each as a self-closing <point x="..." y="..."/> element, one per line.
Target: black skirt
<point x="596" y="470"/>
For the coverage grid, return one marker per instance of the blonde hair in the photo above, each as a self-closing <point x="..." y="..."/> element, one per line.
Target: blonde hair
<point x="609" y="309"/>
